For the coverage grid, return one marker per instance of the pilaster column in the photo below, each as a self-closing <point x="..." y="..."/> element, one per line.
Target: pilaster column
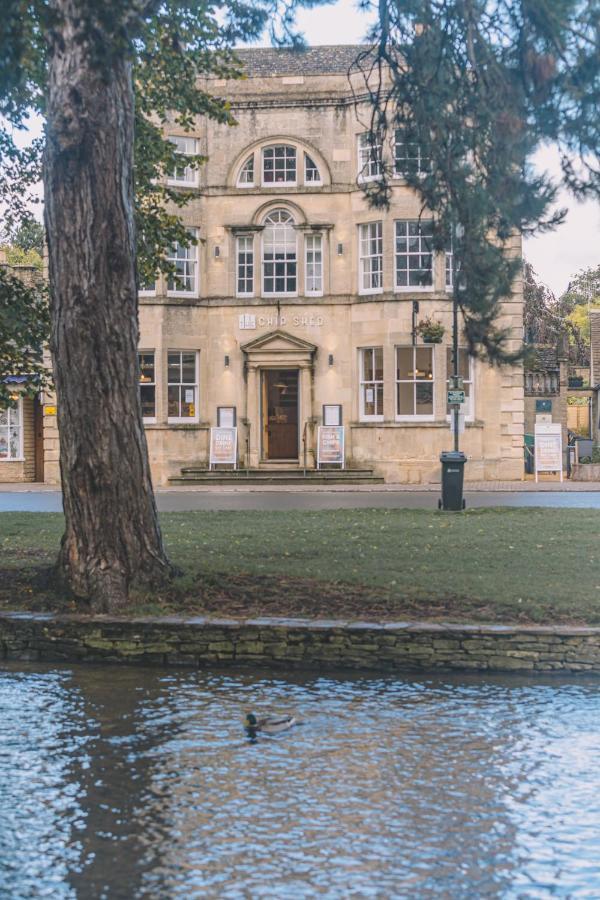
<point x="253" y="415"/>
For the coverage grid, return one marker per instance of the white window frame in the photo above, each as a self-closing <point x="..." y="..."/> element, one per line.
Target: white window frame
<point x="194" y="259"/>
<point x="370" y="156"/>
<point x="145" y="292"/>
<point x="7" y="428"/>
<point x="363" y="384"/>
<point x="310" y="181"/>
<point x="191" y="149"/>
<point x="278" y="184"/>
<point x="149" y="420"/>
<point x="365" y="229"/>
<point x="308" y="239"/>
<point x="185" y="420"/>
<point x="265" y="293"/>
<point x="247" y="184"/>
<point x="423" y="162"/>
<point x="416" y="417"/>
<point x="412" y="288"/>
<point x="470" y="407"/>
<point x="244" y="238"/>
<point x="449" y="269"/>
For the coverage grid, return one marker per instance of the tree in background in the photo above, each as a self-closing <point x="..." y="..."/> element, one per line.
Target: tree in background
<point x="78" y="61"/>
<point x="582" y="293"/>
<point x="471" y="91"/>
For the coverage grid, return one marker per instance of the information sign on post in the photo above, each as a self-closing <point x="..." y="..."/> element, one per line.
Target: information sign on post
<point x="223" y="447"/>
<point x="330" y="445"/>
<point x="548" y="448"/>
<point x="456" y="396"/>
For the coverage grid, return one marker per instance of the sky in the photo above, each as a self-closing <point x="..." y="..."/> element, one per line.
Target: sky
<point x="556" y="256"/>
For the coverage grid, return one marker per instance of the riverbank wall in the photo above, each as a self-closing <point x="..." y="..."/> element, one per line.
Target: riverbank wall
<point x="296" y="643"/>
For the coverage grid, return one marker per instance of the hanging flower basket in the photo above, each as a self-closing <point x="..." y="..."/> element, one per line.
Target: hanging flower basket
<point x="431" y="331"/>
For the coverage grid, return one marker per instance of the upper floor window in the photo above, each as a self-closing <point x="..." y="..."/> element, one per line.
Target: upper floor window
<point x="369" y="156"/>
<point x="314" y="264"/>
<point x="414" y="254"/>
<point x="245" y="266"/>
<point x="246" y="176"/>
<point x="279" y="165"/>
<point x="449" y="267"/>
<point x="311" y="171"/>
<point x="370" y="258"/>
<point x="280" y="267"/>
<point x="186" y="146"/>
<point x="185" y="262"/>
<point x="408" y="157"/>
<point x="147" y="385"/>
<point x="11" y="432"/>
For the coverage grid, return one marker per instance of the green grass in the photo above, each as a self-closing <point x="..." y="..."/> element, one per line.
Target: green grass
<point x="535" y="565"/>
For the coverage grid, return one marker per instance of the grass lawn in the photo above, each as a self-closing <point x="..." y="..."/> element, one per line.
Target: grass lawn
<point x="485" y="565"/>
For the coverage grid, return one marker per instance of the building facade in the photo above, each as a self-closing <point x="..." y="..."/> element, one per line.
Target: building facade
<point x="298" y="305"/>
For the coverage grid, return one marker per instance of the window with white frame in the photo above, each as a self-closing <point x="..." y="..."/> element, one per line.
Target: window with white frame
<point x="245" y="265"/>
<point x="370" y="258"/>
<point x="186" y="146"/>
<point x="11" y="432"/>
<point x="313" y="272"/>
<point x="449" y="268"/>
<point x="370" y="163"/>
<point x="147" y="384"/>
<point x="414" y="254"/>
<point x="185" y="263"/>
<point x="246" y="176"/>
<point x="280" y="275"/>
<point x="279" y="165"/>
<point x="465" y="371"/>
<point x="182" y="386"/>
<point x="312" y="174"/>
<point x="414" y="383"/>
<point x="408" y="157"/>
<point x="371" y="383"/>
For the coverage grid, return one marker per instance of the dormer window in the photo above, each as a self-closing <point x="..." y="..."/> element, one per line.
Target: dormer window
<point x="311" y="171"/>
<point x="279" y="165"/>
<point x="246" y="176"/>
<point x="184" y="175"/>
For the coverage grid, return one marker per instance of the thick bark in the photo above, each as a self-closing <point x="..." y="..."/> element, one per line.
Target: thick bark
<point x="112" y="535"/>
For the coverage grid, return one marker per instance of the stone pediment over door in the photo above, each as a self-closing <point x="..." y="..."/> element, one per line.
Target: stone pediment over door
<point x="278" y="348"/>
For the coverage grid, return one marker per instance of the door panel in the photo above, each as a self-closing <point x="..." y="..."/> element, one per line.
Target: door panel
<point x="280" y="413"/>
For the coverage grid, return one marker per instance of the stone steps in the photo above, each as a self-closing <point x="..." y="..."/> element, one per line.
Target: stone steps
<point x="198" y="475"/>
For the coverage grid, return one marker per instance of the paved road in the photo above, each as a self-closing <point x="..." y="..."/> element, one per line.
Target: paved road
<point x="179" y="501"/>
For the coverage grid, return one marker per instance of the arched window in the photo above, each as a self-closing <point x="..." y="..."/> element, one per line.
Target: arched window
<point x="311" y="171"/>
<point x="246" y="176"/>
<point x="279" y="254"/>
<point x="279" y="165"/>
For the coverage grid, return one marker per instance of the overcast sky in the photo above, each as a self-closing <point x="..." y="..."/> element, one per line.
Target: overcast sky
<point x="557" y="256"/>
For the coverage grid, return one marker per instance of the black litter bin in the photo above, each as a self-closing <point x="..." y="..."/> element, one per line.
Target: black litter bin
<point x="453" y="471"/>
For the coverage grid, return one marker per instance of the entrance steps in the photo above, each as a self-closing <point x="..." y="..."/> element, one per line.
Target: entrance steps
<point x="194" y="475"/>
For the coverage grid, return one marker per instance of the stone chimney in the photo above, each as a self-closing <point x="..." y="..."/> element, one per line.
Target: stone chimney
<point x="594" y="347"/>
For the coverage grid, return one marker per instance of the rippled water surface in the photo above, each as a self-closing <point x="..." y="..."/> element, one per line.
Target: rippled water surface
<point x="131" y="783"/>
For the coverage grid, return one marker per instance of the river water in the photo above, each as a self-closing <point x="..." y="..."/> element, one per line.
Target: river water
<point x="123" y="783"/>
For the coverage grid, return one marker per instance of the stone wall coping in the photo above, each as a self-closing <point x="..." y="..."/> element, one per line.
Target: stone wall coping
<point x="306" y="624"/>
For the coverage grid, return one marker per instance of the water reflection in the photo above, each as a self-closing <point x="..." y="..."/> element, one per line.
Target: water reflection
<point x="134" y="783"/>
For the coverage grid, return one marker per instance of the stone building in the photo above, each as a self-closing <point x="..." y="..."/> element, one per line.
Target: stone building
<point x="298" y="304"/>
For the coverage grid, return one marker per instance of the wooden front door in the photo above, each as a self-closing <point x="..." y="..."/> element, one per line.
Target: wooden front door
<point x="280" y="413"/>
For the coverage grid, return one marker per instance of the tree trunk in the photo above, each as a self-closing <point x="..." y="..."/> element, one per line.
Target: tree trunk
<point x="112" y="535"/>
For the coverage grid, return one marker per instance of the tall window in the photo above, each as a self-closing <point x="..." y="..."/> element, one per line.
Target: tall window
<point x="246" y="176"/>
<point x="279" y="165"/>
<point x="279" y="254"/>
<point x="449" y="268"/>
<point x="414" y="254"/>
<point x="185" y="261"/>
<point x="465" y="370"/>
<point x="311" y="171"/>
<point x="414" y="382"/>
<point x="371" y="383"/>
<point x="11" y="432"/>
<point x="183" y="174"/>
<point x="245" y="266"/>
<point x="147" y="385"/>
<point x="314" y="264"/>
<point x="369" y="156"/>
<point x="182" y="375"/>
<point x="370" y="258"/>
<point x="408" y="157"/>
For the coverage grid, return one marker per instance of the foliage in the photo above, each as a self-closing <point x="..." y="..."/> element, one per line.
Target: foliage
<point x="480" y="87"/>
<point x="24" y="327"/>
<point x="593" y="459"/>
<point x="431" y="330"/>
<point x="17" y="256"/>
<point x="28" y="237"/>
